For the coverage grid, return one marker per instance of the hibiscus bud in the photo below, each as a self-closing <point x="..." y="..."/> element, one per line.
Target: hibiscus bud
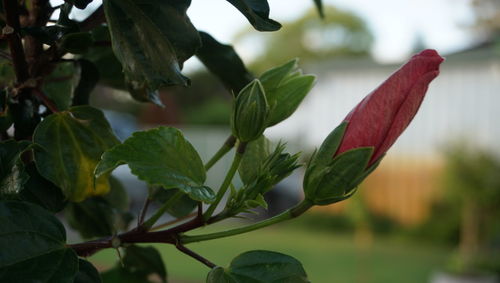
<point x="354" y="149"/>
<point x="250" y="111"/>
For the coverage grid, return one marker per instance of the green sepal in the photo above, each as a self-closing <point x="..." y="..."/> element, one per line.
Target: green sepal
<point x="250" y="110"/>
<point x="260" y="266"/>
<point x="337" y="180"/>
<point x="285" y="87"/>
<point x="162" y="157"/>
<point x="255" y="154"/>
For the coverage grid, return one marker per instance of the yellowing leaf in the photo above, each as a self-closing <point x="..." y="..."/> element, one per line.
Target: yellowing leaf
<point x="72" y="143"/>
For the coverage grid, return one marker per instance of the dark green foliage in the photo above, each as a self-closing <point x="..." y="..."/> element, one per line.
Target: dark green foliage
<point x="260" y="266"/>
<point x="223" y="62"/>
<point x="33" y="246"/>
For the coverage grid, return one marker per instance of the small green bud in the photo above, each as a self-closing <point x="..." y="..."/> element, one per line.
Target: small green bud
<point x="250" y="111"/>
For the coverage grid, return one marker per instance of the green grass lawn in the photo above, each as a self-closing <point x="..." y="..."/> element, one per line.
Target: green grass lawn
<point x="326" y="257"/>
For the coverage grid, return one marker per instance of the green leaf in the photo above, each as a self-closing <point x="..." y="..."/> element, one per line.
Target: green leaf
<point x="152" y="40"/>
<point x="257" y="13"/>
<point x="39" y="190"/>
<point x="87" y="273"/>
<point x="77" y="42"/>
<point x="319" y="6"/>
<point x="101" y="216"/>
<point x="139" y="263"/>
<point x="223" y="61"/>
<point x="101" y="54"/>
<point x="93" y="217"/>
<point x="33" y="246"/>
<point x="256" y="152"/>
<point x="72" y="143"/>
<point x="145" y="261"/>
<point x="60" y="84"/>
<point x="12" y="173"/>
<point x="260" y="266"/>
<point x="163" y="157"/>
<point x="89" y="77"/>
<point x="285" y="88"/>
<point x="180" y="207"/>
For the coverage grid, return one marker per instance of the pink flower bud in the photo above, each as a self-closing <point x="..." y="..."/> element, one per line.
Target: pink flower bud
<point x="382" y="116"/>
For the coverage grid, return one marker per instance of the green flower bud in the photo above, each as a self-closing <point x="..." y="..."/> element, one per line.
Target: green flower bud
<point x="250" y="111"/>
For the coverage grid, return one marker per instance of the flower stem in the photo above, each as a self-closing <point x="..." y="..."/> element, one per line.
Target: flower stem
<point x="288" y="214"/>
<point x="227" y="181"/>
<point x="225" y="148"/>
<point x="151" y="221"/>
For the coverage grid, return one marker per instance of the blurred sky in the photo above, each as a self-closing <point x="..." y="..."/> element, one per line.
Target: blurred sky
<point x="396" y="24"/>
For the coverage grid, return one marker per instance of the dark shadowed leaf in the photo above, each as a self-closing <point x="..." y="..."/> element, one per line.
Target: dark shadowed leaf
<point x="89" y="77"/>
<point x="144" y="261"/>
<point x="319" y="6"/>
<point x="12" y="173"/>
<point x="139" y="264"/>
<point x="180" y="207"/>
<point x="33" y="246"/>
<point x="101" y="54"/>
<point x="72" y="143"/>
<point x="93" y="217"/>
<point x="77" y="42"/>
<point x="223" y="61"/>
<point x="61" y="83"/>
<point x="39" y="190"/>
<point x="257" y="13"/>
<point x="260" y="266"/>
<point x="101" y="216"/>
<point x="80" y="4"/>
<point x="152" y="40"/>
<point x="87" y="273"/>
<point x="163" y="157"/>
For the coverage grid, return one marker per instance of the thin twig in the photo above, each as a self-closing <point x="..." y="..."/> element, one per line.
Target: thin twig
<point x="194" y="255"/>
<point x="46" y="101"/>
<point x="11" y="32"/>
<point x="175" y="221"/>
<point x="144" y="210"/>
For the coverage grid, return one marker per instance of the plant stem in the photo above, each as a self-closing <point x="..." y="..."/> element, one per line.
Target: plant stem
<point x="170" y="223"/>
<point x="288" y="214"/>
<point x="151" y="221"/>
<point x="194" y="255"/>
<point x="227" y="181"/>
<point x="11" y="31"/>
<point x="225" y="148"/>
<point x="144" y="210"/>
